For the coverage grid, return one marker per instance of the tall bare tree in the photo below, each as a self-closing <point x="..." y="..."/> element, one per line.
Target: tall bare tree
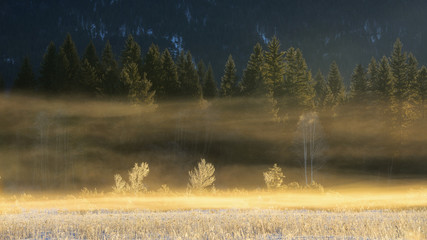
<point x="310" y="144"/>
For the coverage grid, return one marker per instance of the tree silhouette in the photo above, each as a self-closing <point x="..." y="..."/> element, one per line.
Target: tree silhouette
<point x="229" y="80"/>
<point x="131" y="53"/>
<point x="71" y="64"/>
<point x="336" y="86"/>
<point x="321" y="89"/>
<point x="253" y="83"/>
<point x="422" y="88"/>
<point x="359" y="84"/>
<point x="188" y="77"/>
<point x="153" y="68"/>
<point x="210" y="89"/>
<point x="48" y="70"/>
<point x="2" y="84"/>
<point x="274" y="68"/>
<point x="139" y="86"/>
<point x="25" y="80"/>
<point x="110" y="75"/>
<point x="171" y="85"/>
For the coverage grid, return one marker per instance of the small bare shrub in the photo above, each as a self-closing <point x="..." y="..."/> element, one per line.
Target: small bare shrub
<point x="120" y="185"/>
<point x="85" y="192"/>
<point x="136" y="177"/>
<point x="202" y="176"/>
<point x="274" y="177"/>
<point x="164" y="189"/>
<point x="314" y="186"/>
<point x="294" y="186"/>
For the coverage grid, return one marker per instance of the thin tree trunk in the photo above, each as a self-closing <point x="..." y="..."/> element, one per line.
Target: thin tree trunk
<point x="313" y="134"/>
<point x="305" y="153"/>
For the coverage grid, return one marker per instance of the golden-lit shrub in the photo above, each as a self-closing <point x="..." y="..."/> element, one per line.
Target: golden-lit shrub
<point x="274" y="177"/>
<point x="136" y="177"/>
<point x="201" y="176"/>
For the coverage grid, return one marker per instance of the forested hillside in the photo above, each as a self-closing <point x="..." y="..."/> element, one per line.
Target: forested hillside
<point x="326" y="31"/>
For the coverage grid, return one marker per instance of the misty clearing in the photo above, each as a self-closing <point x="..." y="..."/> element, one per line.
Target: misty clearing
<point x="222" y="169"/>
<point x="214" y="120"/>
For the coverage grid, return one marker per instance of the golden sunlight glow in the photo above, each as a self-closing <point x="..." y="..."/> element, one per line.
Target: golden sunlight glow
<point x="365" y="198"/>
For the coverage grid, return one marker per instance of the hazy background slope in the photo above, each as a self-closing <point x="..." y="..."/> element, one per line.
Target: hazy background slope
<point x="349" y="32"/>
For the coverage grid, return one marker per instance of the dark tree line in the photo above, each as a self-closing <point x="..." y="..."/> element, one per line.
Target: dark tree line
<point x="396" y="81"/>
<point x="156" y="75"/>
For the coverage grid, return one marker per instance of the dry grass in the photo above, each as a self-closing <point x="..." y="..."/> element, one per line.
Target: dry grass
<point x="376" y="213"/>
<point x="215" y="224"/>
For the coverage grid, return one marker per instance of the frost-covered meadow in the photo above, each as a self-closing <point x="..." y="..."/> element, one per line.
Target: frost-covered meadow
<point x="215" y="224"/>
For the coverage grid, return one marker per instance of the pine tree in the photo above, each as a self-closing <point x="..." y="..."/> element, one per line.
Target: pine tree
<point x="139" y="87"/>
<point x="48" y="74"/>
<point x="412" y="93"/>
<point x="422" y="88"/>
<point x="383" y="87"/>
<point x="210" y="89"/>
<point x="398" y="69"/>
<point x="321" y="89"/>
<point x="90" y="55"/>
<point x="253" y="79"/>
<point x="153" y="67"/>
<point x="181" y="71"/>
<point x="372" y="74"/>
<point x="359" y="84"/>
<point x="303" y="87"/>
<point x="143" y="90"/>
<point x="110" y="75"/>
<point x="403" y="108"/>
<point x="274" y="68"/>
<point x="274" y="71"/>
<point x="171" y="85"/>
<point x="89" y="78"/>
<point x="62" y="65"/>
<point x="335" y="85"/>
<point x="25" y="80"/>
<point x="291" y="69"/>
<point x="381" y="92"/>
<point x="298" y="91"/>
<point x="90" y="70"/>
<point x="2" y="84"/>
<point x="192" y="84"/>
<point x="201" y="71"/>
<point x="71" y="82"/>
<point x="188" y="77"/>
<point x="131" y="53"/>
<point x="404" y="93"/>
<point x="405" y="100"/>
<point x="229" y="80"/>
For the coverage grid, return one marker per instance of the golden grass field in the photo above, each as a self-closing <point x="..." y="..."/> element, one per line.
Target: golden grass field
<point x="396" y="213"/>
